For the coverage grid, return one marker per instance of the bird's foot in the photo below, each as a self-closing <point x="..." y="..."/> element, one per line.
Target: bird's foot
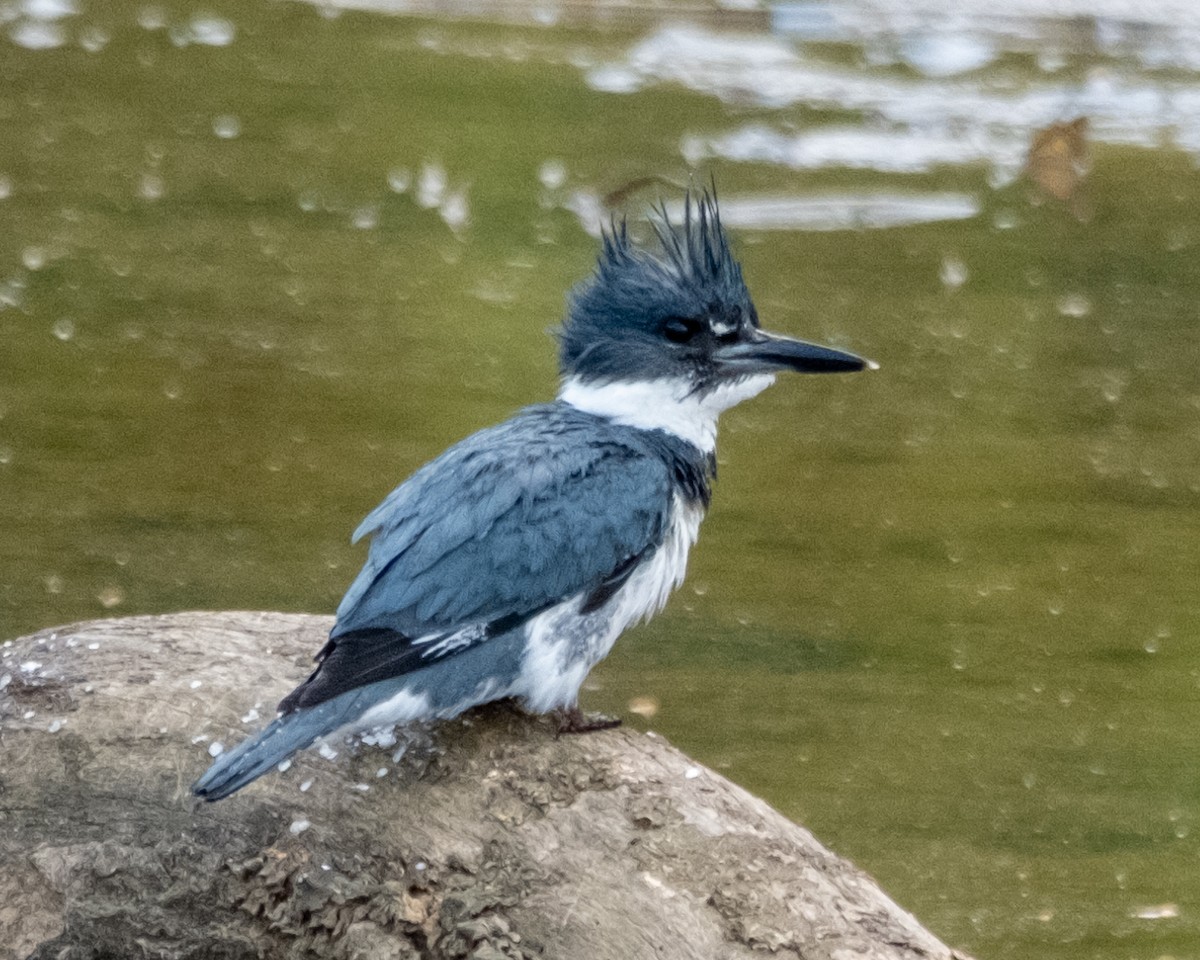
<point x="574" y="720"/>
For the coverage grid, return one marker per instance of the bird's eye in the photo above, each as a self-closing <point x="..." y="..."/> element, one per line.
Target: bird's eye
<point x="682" y="329"/>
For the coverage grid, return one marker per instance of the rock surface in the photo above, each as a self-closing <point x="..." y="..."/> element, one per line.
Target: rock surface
<point x="490" y="839"/>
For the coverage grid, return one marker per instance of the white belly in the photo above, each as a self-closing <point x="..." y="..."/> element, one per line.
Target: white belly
<point x="563" y="645"/>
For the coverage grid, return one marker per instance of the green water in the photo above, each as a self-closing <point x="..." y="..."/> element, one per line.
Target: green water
<point x="944" y="614"/>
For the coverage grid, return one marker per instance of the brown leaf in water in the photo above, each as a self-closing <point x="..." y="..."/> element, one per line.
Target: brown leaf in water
<point x="1058" y="158"/>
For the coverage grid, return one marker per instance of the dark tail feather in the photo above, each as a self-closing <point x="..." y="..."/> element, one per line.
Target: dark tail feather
<point x="294" y="731"/>
<point x="435" y="690"/>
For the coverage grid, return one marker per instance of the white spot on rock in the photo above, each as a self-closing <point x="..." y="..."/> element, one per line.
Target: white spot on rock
<point x="380" y="737"/>
<point x="655" y="884"/>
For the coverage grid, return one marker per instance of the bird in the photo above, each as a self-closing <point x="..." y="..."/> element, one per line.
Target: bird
<point x="507" y="567"/>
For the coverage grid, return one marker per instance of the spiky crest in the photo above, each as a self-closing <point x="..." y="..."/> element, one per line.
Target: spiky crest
<point x="633" y="290"/>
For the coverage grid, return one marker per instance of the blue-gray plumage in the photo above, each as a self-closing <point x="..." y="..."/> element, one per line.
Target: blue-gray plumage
<point x="508" y="566"/>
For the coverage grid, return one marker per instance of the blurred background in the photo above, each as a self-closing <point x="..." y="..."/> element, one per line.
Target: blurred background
<point x="258" y="261"/>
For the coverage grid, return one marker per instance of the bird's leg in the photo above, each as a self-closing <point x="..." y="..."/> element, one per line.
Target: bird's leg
<point x="574" y="720"/>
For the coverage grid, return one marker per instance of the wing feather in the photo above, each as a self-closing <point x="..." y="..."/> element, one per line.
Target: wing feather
<point x="549" y="505"/>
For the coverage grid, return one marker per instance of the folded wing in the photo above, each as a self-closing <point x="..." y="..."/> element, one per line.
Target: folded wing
<point x="511" y="521"/>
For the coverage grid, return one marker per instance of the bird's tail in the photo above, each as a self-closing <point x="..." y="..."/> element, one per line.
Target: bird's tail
<point x="293" y="731"/>
<point x="431" y="692"/>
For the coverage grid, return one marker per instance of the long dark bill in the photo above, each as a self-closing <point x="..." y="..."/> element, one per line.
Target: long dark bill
<point x="764" y="352"/>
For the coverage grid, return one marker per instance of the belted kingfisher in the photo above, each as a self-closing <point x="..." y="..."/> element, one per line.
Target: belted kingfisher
<point x="509" y="565"/>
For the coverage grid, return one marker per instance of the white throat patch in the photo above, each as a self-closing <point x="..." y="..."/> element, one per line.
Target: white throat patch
<point x="664" y="404"/>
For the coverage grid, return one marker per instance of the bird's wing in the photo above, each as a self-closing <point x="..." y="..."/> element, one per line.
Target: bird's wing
<point x="511" y="521"/>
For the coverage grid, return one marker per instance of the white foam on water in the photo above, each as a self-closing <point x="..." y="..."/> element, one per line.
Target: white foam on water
<point x="951" y="113"/>
<point x="843" y="210"/>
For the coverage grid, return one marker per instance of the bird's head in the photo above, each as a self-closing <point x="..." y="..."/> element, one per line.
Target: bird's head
<point x="679" y="320"/>
<point x="681" y="312"/>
